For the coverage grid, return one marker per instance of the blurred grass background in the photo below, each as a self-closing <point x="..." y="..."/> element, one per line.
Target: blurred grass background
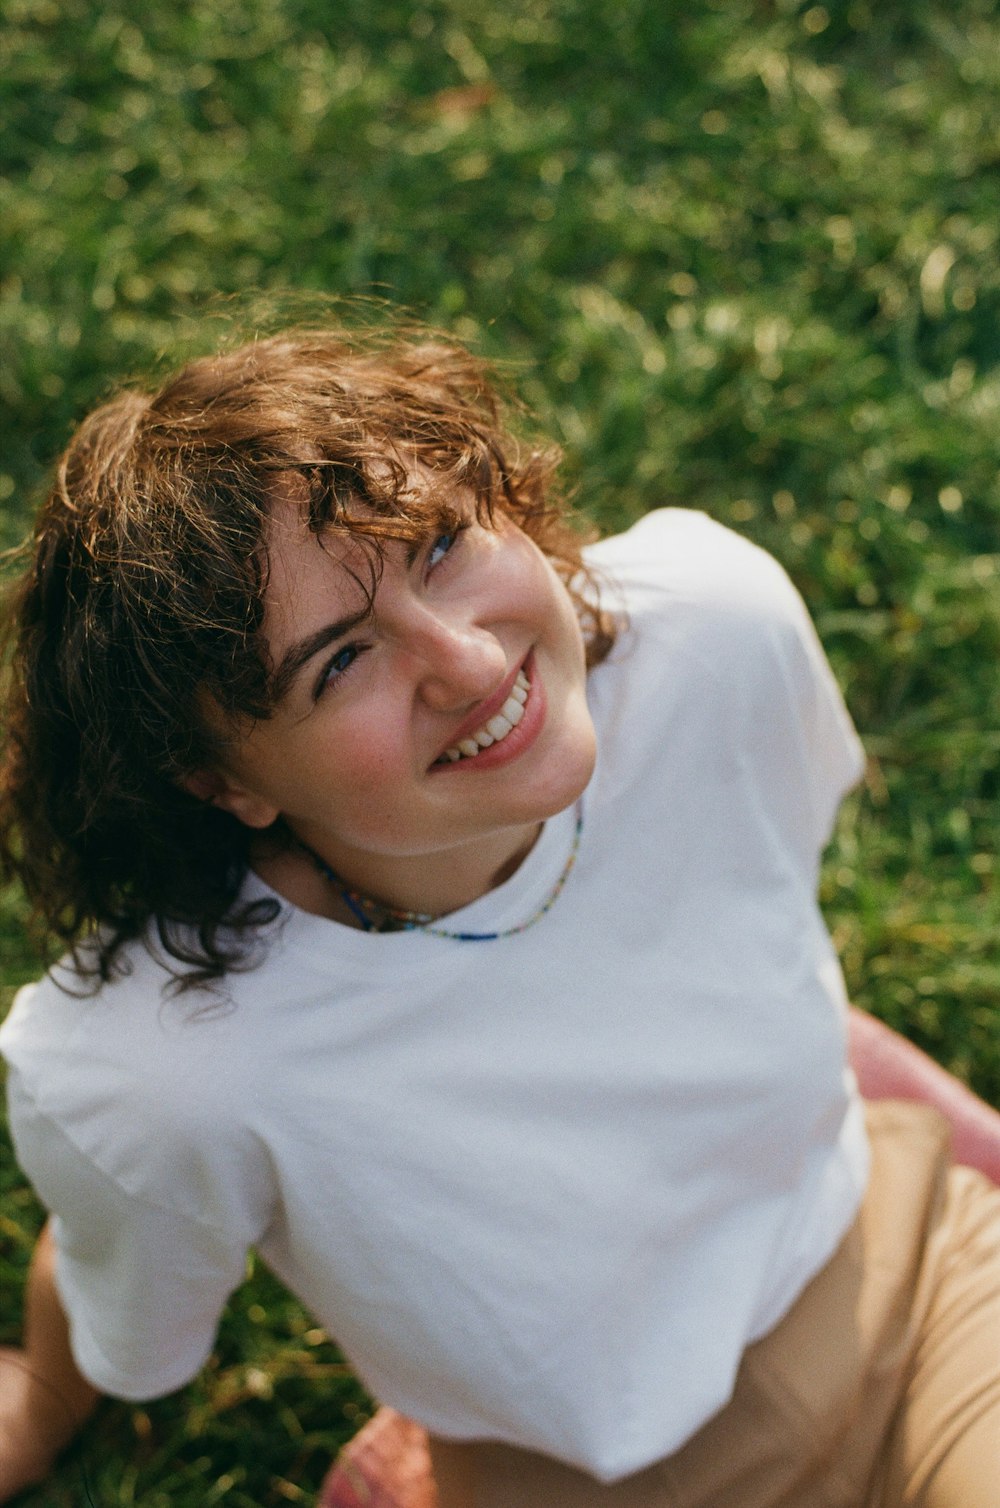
<point x="742" y="255"/>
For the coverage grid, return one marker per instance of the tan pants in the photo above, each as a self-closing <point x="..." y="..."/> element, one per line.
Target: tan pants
<point x="880" y="1389"/>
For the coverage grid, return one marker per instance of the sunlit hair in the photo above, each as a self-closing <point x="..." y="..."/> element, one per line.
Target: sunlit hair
<point x="144" y="593"/>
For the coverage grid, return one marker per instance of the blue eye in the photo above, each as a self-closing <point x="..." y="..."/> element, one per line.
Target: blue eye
<point x="440" y="547"/>
<point x="342" y="658"/>
<point x="338" y="665"/>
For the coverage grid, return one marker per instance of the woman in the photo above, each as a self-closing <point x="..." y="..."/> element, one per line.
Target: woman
<point x="441" y="906"/>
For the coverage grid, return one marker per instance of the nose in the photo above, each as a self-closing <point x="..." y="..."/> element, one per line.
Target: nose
<point x="457" y="662"/>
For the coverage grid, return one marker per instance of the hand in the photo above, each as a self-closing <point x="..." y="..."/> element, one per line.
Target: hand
<point x="28" y="1441"/>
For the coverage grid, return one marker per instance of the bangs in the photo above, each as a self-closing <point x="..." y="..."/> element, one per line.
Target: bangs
<point x="385" y="501"/>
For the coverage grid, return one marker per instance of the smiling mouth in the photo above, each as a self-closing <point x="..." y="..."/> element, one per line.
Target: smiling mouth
<point x="495" y="729"/>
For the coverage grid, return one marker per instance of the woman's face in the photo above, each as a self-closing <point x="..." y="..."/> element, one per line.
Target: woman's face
<point x="359" y="755"/>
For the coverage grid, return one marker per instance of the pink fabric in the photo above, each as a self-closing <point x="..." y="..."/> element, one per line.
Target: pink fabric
<point x="889" y="1067"/>
<point x="386" y="1465"/>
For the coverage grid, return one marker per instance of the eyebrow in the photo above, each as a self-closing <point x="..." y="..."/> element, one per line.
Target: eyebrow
<point x="299" y="654"/>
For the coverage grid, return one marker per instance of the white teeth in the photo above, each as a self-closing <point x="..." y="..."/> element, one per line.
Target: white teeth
<point x="504" y="722"/>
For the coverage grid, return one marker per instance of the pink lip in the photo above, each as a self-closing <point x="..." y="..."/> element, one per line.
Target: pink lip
<point x="517" y="740"/>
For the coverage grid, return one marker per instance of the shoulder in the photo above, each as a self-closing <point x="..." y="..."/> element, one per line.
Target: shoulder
<point x="131" y="1074"/>
<point x="720" y="663"/>
<point x="678" y="575"/>
<point x="72" y="1014"/>
<point x="684" y="557"/>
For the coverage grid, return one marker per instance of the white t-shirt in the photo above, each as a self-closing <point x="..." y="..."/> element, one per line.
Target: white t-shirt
<point x="543" y="1189"/>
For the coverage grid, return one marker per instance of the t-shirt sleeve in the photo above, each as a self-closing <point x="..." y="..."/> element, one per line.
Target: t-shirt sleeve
<point x="835" y="749"/>
<point x="813" y="748"/>
<point x="142" y="1286"/>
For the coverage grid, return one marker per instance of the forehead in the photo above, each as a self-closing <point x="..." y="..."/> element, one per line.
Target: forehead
<point x="327" y="572"/>
<point x="299" y="553"/>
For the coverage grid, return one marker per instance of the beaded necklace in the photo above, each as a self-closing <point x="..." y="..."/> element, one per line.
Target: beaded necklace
<point x="378" y="916"/>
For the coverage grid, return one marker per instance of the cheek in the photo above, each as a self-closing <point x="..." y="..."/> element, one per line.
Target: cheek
<point x="536" y="588"/>
<point x="563" y="623"/>
<point x="361" y="760"/>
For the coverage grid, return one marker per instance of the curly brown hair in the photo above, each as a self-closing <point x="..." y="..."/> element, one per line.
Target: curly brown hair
<point x="144" y="592"/>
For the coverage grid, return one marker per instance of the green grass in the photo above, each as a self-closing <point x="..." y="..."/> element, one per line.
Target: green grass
<point x="740" y="255"/>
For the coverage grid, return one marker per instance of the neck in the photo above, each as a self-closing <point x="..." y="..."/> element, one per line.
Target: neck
<point x="433" y="885"/>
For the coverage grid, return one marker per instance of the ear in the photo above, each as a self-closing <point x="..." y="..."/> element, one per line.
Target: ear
<point x="229" y="796"/>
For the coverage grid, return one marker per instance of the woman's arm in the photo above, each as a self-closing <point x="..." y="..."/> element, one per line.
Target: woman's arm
<point x="889" y="1067"/>
<point x="43" y="1397"/>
